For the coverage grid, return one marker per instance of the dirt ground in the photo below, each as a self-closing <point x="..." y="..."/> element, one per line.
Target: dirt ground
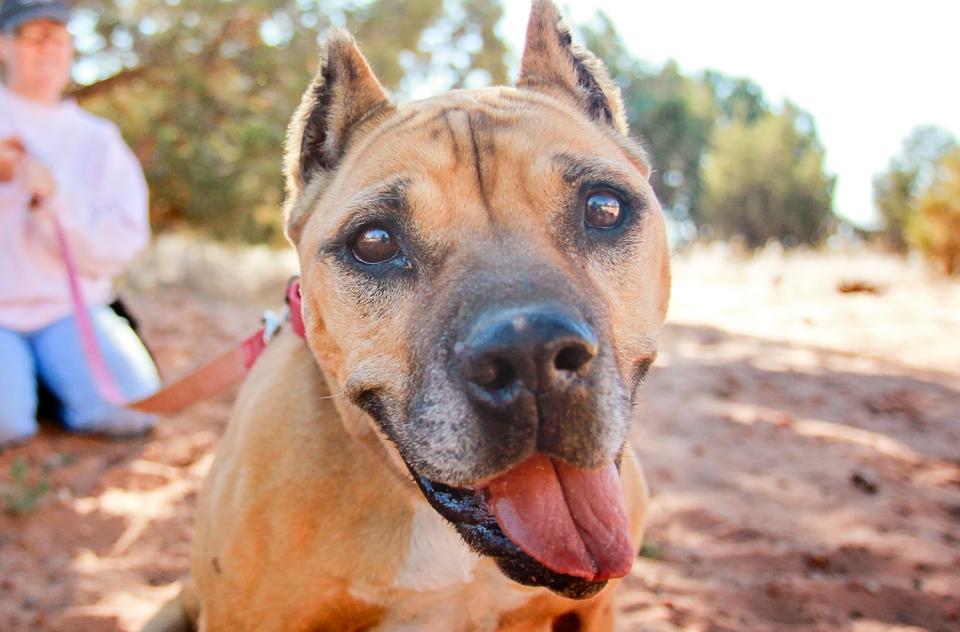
<point x="802" y="446"/>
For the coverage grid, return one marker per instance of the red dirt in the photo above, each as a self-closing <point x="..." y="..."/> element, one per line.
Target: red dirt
<point x="802" y="447"/>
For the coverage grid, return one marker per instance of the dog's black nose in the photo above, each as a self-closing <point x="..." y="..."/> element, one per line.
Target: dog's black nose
<point x="534" y="348"/>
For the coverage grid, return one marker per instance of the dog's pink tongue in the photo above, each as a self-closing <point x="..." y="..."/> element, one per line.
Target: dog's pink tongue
<point x="570" y="520"/>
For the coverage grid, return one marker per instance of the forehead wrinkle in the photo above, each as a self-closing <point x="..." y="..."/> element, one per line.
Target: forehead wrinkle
<point x="397" y="122"/>
<point x="444" y="117"/>
<point x="482" y="137"/>
<point x="414" y="116"/>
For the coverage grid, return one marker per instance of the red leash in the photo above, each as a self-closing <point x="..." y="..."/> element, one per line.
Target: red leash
<point x="204" y="382"/>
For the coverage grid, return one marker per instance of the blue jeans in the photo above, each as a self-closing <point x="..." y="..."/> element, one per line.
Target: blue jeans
<point x="54" y="355"/>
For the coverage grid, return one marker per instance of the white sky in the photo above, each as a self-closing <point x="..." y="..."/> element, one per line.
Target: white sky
<point x="868" y="72"/>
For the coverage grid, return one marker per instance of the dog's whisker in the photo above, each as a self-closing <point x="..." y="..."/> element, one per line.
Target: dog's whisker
<point x="401" y="480"/>
<point x="339" y="393"/>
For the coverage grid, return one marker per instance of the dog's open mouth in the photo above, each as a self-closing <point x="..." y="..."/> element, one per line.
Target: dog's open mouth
<point x="545" y="522"/>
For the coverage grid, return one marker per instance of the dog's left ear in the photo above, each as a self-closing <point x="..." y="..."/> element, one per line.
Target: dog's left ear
<point x="553" y="64"/>
<point x="342" y="103"/>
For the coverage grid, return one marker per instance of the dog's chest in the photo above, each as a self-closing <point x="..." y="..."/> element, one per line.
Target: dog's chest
<point x="441" y="584"/>
<point x="436" y="557"/>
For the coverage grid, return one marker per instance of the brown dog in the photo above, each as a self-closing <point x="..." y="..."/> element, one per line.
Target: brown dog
<point x="484" y="277"/>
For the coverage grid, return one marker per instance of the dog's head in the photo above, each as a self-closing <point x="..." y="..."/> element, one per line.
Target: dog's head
<point x="484" y="273"/>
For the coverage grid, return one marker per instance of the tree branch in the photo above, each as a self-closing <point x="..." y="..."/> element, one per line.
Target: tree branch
<point x="106" y="85"/>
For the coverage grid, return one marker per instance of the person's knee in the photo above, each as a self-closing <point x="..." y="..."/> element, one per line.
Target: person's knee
<point x="18" y="421"/>
<point x="18" y="392"/>
<point x="133" y="368"/>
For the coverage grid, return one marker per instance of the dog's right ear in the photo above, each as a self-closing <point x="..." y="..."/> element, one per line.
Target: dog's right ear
<point x="343" y="101"/>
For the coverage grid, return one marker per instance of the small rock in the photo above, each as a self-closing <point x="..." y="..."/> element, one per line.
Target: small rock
<point x="864" y="483"/>
<point x="817" y="561"/>
<point x="859" y="286"/>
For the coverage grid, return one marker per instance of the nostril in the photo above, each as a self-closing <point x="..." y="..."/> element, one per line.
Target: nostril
<point x="495" y="374"/>
<point x="572" y="358"/>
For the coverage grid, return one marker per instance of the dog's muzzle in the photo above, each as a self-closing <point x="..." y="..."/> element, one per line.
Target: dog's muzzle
<point x="553" y="513"/>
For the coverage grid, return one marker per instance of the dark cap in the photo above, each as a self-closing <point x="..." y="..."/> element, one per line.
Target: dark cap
<point x="15" y="13"/>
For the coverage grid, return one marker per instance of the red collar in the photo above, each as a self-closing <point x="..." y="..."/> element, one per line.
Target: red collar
<point x="295" y="306"/>
<point x="253" y="346"/>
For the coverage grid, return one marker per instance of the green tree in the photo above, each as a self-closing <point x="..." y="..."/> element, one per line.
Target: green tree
<point x="676" y="115"/>
<point x="895" y="191"/>
<point x="765" y="180"/>
<point x="737" y="98"/>
<point x="935" y="227"/>
<point x="203" y="90"/>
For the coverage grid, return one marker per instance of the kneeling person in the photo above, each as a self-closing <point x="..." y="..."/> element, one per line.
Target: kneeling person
<point x="57" y="160"/>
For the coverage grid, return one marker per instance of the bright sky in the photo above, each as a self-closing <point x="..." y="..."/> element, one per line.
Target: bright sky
<point x="868" y="72"/>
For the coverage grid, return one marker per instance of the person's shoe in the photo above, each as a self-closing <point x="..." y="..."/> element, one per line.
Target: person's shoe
<point x="15" y="440"/>
<point x="122" y="425"/>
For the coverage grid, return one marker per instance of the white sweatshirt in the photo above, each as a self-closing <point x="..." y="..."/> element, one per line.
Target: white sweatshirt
<point x="101" y="202"/>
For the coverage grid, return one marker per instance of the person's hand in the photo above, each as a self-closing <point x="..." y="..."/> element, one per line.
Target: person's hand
<point x="11" y="154"/>
<point x="15" y="162"/>
<point x="38" y="181"/>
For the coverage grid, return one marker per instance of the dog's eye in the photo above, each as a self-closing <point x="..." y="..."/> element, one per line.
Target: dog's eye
<point x="374" y="244"/>
<point x="603" y="210"/>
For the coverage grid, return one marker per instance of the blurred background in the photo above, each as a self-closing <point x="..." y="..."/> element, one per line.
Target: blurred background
<point x="729" y="101"/>
<point x="801" y="428"/>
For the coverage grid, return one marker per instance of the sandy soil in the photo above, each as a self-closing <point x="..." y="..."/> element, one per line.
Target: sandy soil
<point x="802" y="446"/>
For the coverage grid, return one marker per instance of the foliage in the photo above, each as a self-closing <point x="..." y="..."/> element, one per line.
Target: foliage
<point x="935" y="228"/>
<point x="895" y="191"/>
<point x="702" y="132"/>
<point x="652" y="550"/>
<point x="738" y="99"/>
<point x="24" y="495"/>
<point x="203" y="90"/>
<point x="676" y="115"/>
<point x="765" y="180"/>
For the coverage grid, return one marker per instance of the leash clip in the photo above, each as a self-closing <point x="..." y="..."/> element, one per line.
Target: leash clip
<point x="272" y="321"/>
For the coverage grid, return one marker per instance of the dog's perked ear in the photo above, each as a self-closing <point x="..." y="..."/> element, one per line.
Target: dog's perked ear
<point x="553" y="64"/>
<point x="343" y="101"/>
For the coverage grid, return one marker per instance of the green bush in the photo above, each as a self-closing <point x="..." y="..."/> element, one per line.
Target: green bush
<point x="23" y="495"/>
<point x="765" y="180"/>
<point x="935" y="226"/>
<point x="203" y="90"/>
<point x="896" y="191"/>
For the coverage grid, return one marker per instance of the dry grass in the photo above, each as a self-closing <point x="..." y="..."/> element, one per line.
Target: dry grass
<point x="215" y="270"/>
